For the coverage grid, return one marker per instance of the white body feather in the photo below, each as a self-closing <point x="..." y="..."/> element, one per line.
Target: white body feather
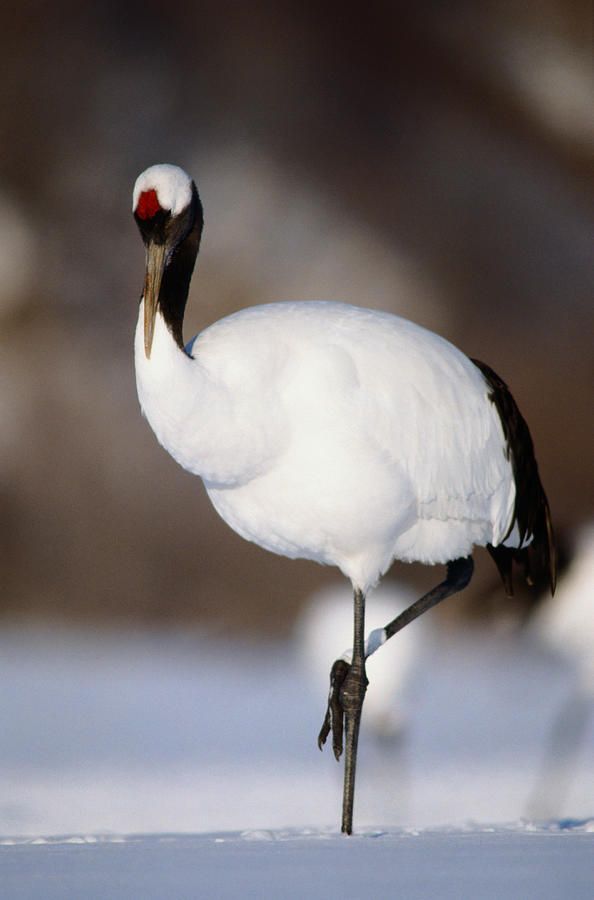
<point x="343" y="435"/>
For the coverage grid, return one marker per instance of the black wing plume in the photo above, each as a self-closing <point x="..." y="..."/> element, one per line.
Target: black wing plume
<point x="531" y="511"/>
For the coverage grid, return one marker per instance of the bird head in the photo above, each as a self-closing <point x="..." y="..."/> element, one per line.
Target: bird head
<point x="168" y="213"/>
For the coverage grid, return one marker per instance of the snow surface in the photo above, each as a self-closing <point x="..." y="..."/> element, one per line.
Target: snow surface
<point x="490" y="864"/>
<point x="170" y="765"/>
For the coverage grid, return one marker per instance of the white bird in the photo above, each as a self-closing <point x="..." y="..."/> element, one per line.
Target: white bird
<point x="329" y="432"/>
<point x="565" y="625"/>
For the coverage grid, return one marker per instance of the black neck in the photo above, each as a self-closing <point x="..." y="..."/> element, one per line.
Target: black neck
<point x="175" y="284"/>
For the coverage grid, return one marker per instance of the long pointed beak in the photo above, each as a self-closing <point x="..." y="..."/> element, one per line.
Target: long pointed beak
<point x="155" y="266"/>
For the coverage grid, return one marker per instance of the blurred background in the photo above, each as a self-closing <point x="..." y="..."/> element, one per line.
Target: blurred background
<point x="436" y="163"/>
<point x="431" y="159"/>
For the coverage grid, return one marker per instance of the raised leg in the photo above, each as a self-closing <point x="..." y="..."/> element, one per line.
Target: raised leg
<point x="348" y="681"/>
<point x="459" y="573"/>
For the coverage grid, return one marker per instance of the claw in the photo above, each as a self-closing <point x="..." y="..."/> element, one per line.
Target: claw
<point x="325" y="730"/>
<point x="334" y="718"/>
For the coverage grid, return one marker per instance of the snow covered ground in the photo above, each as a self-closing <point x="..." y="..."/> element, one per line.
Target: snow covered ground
<point x="171" y="765"/>
<point x="473" y="864"/>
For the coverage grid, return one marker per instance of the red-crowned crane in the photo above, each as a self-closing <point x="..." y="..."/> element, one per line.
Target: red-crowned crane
<point x="329" y="432"/>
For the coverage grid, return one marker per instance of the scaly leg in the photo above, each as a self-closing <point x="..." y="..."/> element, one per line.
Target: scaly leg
<point x="348" y="682"/>
<point x="352" y="696"/>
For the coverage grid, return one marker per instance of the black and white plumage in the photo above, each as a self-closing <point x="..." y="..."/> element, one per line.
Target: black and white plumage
<point x="335" y="433"/>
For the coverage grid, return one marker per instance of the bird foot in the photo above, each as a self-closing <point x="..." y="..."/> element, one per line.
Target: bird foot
<point x="348" y="684"/>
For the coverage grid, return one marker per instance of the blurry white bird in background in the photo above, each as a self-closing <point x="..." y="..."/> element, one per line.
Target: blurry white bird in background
<point x="564" y="624"/>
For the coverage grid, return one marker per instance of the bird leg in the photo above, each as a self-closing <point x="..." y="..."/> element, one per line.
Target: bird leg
<point x="352" y="695"/>
<point x="348" y="681"/>
<point x="459" y="573"/>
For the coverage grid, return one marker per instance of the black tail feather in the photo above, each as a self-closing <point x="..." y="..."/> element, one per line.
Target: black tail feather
<point x="531" y="511"/>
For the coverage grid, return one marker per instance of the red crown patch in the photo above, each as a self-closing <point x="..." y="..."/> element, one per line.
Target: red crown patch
<point x="148" y="204"/>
